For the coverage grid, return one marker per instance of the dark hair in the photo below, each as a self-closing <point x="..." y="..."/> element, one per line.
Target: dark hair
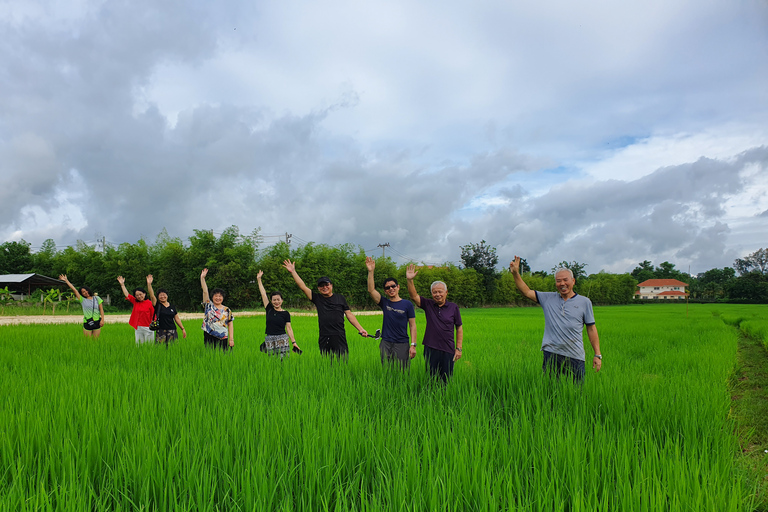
<point x="276" y="293"/>
<point x="219" y="291"/>
<point x="390" y="279"/>
<point x="142" y="290"/>
<point x="162" y="290"/>
<point x="86" y="289"/>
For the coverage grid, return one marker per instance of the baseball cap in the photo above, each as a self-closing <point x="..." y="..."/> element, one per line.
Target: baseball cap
<point x="324" y="279"/>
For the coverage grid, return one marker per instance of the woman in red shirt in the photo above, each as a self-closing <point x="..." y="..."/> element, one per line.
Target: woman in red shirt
<point x="142" y="313"/>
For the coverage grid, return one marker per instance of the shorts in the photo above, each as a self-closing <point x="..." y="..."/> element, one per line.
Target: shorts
<point x="395" y="352"/>
<point x="144" y="335"/>
<point x="212" y="341"/>
<point x="95" y="326"/>
<point x="334" y="345"/>
<point x="166" y="336"/>
<point x="439" y="363"/>
<point x="557" y="364"/>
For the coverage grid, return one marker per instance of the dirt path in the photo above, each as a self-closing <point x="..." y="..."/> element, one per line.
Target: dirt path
<point x="123" y="319"/>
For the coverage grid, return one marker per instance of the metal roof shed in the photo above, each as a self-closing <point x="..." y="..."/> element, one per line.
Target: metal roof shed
<point x="29" y="282"/>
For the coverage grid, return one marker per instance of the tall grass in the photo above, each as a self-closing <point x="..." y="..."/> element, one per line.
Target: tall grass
<point x="106" y="425"/>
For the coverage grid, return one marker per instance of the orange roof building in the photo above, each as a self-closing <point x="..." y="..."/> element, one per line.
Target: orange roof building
<point x="662" y="289"/>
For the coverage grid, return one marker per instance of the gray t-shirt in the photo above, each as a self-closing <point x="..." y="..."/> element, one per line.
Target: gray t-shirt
<point x="564" y="322"/>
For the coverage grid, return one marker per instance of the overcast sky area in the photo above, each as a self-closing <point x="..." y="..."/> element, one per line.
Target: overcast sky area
<point x="602" y="132"/>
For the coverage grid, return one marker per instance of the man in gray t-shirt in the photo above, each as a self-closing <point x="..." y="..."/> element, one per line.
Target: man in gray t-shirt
<point x="565" y="315"/>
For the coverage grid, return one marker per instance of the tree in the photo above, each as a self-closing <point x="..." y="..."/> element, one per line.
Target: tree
<point x="758" y="261"/>
<point x="667" y="270"/>
<point x="751" y="287"/>
<point x="15" y="258"/>
<point x="644" y="271"/>
<point x="483" y="259"/>
<point x="574" y="266"/>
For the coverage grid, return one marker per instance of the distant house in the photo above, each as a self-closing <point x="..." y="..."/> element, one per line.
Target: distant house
<point x="662" y="289"/>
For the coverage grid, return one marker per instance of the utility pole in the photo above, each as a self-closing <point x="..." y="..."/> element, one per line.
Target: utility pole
<point x="288" y="238"/>
<point x="383" y="248"/>
<point x="103" y="245"/>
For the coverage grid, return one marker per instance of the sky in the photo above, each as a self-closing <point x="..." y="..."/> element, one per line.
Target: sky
<point x="602" y="132"/>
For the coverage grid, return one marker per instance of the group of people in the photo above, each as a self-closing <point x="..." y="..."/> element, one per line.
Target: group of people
<point x="144" y="312"/>
<point x="566" y="313"/>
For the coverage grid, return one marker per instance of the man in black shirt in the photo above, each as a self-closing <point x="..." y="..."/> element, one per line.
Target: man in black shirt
<point x="331" y="310"/>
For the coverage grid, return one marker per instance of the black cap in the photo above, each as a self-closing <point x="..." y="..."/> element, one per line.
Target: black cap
<point x="324" y="279"/>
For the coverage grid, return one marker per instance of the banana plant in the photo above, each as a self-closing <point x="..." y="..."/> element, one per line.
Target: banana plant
<point x="5" y="299"/>
<point x="53" y="296"/>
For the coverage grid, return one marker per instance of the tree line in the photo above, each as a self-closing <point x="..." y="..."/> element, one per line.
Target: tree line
<point x="234" y="260"/>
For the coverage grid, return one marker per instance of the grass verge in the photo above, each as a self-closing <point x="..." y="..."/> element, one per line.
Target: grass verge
<point x="749" y="392"/>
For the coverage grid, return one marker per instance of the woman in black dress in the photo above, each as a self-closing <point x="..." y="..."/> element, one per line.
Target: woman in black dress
<point x="167" y="315"/>
<point x="278" y="331"/>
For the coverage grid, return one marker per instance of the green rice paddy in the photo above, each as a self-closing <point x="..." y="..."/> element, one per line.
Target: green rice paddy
<point x="105" y="425"/>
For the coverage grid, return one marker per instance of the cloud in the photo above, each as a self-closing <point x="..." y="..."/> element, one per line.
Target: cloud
<point x="605" y="133"/>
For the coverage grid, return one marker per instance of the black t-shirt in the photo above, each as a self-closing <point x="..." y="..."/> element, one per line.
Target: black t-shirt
<point x="330" y="313"/>
<point x="166" y="315"/>
<point x="276" y="320"/>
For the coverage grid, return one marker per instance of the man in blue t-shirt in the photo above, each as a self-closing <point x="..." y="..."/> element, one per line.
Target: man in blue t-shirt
<point x="565" y="315"/>
<point x="399" y="318"/>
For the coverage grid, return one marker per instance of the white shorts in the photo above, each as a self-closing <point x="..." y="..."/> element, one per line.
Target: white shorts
<point x="144" y="335"/>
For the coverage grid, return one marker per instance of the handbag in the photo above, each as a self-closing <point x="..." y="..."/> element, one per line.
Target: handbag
<point x="154" y="325"/>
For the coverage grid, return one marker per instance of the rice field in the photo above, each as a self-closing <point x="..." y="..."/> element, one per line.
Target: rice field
<point x="106" y="425"/>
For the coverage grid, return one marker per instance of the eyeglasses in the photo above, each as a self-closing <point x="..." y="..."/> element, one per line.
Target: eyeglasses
<point x="390" y="287"/>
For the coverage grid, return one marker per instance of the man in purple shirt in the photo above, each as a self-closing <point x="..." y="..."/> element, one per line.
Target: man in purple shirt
<point x="440" y="350"/>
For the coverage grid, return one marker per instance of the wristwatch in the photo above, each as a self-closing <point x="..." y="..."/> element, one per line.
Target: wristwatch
<point x="413" y="344"/>
<point x="599" y="356"/>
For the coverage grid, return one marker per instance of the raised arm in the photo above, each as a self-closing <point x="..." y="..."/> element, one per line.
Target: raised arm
<point x="121" y="280"/>
<point x="353" y="320"/>
<point x="261" y="288"/>
<point x="291" y="267"/>
<point x="514" y="267"/>
<point x="206" y="298"/>
<point x="410" y="273"/>
<point x="370" y="264"/>
<point x="71" y="286"/>
<point x="152" y="297"/>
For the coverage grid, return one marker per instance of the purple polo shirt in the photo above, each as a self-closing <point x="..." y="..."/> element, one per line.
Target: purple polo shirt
<point x="441" y="321"/>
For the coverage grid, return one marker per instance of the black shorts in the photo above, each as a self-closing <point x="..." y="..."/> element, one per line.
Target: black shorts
<point x="214" y="342"/>
<point x="92" y="325"/>
<point x="334" y="345"/>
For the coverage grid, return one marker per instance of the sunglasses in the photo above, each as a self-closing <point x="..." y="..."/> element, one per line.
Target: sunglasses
<point x="323" y="285"/>
<point x="390" y="287"/>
